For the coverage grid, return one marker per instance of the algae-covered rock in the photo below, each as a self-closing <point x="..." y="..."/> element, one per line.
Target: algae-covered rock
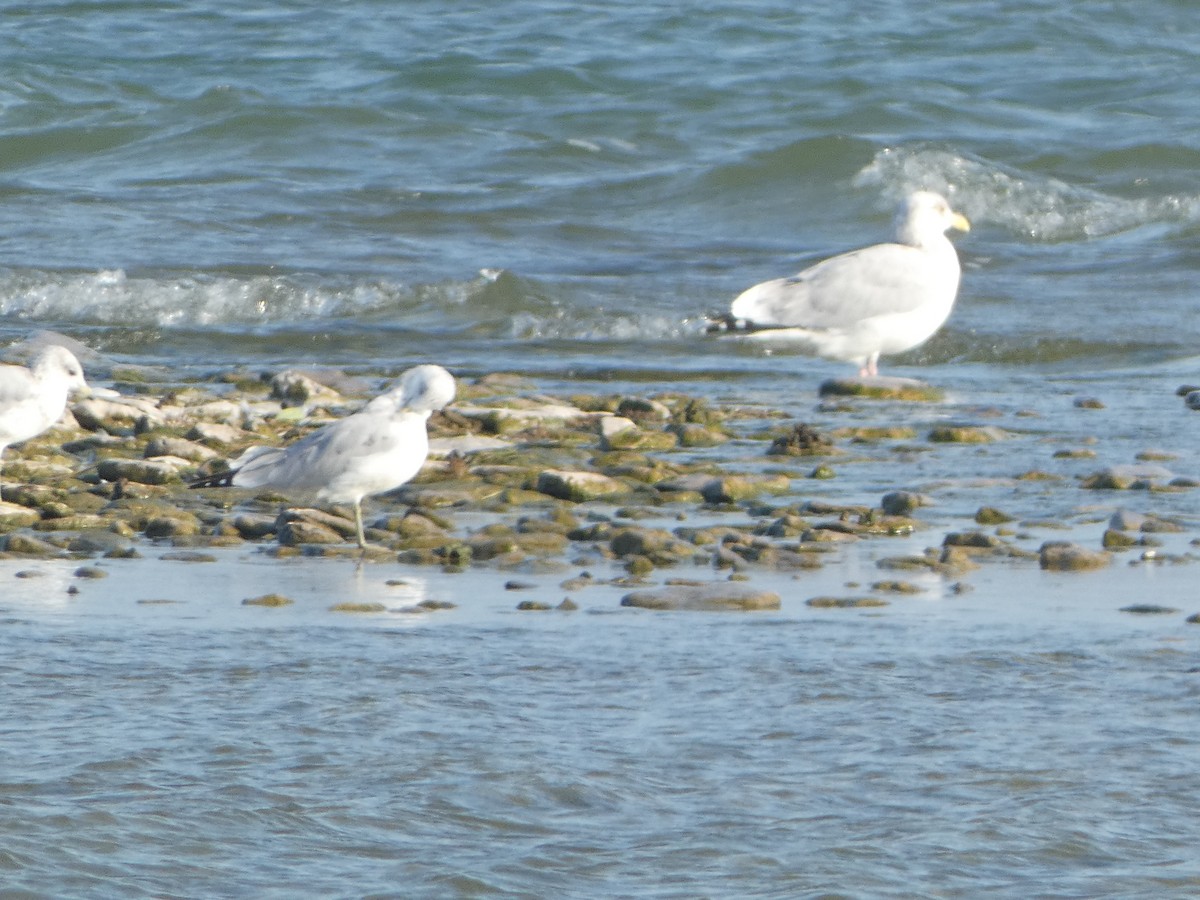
<point x="735" y="488"/>
<point x="902" y="503"/>
<point x="580" y="486"/>
<point x="694" y="434"/>
<point x="802" y="440"/>
<point x="965" y="434"/>
<point x="349" y="607"/>
<point x="26" y="545"/>
<point x="715" y="597"/>
<point x="1125" y="478"/>
<point x="881" y="388"/>
<point x="896" y="587"/>
<point x="845" y="602"/>
<point x="989" y="515"/>
<point x="14" y="516"/>
<point x="269" y="600"/>
<point x="173" y="525"/>
<point x="1066" y="556"/>
<point x="142" y="471"/>
<point x="1118" y="540"/>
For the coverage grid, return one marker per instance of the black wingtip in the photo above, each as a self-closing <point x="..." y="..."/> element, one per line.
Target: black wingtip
<point x="218" y="479"/>
<point x="727" y="323"/>
<point x="720" y="323"/>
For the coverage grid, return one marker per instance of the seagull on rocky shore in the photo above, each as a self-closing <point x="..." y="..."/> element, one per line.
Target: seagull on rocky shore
<point x="32" y="399"/>
<point x="882" y="299"/>
<point x="377" y="449"/>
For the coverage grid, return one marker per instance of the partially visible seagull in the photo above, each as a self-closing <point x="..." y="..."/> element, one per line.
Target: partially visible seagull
<point x="377" y="449"/>
<point x="33" y="399"/>
<point x="882" y="299"/>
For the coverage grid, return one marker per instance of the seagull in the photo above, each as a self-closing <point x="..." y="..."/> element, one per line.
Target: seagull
<point x="886" y="298"/>
<point x="33" y="399"/>
<point x="377" y="449"/>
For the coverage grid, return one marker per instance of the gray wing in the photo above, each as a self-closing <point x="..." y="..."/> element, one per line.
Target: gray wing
<point x="316" y="460"/>
<point x="16" y="386"/>
<point x="834" y="293"/>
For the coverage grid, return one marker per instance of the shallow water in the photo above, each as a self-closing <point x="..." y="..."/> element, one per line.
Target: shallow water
<point x="1016" y="739"/>
<point x="564" y="190"/>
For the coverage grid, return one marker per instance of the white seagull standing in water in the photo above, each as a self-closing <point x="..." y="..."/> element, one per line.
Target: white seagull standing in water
<point x="377" y="449"/>
<point x="33" y="399"/>
<point x="882" y="299"/>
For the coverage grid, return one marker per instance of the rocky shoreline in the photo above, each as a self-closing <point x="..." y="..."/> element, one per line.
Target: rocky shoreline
<point x="519" y="482"/>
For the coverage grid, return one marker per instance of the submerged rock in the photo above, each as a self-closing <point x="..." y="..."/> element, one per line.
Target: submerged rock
<point x="845" y="602"/>
<point x="268" y="600"/>
<point x="718" y="596"/>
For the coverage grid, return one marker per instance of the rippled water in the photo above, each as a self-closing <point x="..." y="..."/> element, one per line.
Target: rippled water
<point x="955" y="745"/>
<point x="564" y="190"/>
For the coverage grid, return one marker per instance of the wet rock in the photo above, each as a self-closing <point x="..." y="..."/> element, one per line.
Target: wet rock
<point x="619" y="433"/>
<point x="26" y="545"/>
<point x="295" y="389"/>
<point x="218" y="433"/>
<point x="99" y="541"/>
<point x="845" y="602"/>
<point x="718" y="596"/>
<point x="142" y="471"/>
<point x="533" y="605"/>
<point x="787" y="526"/>
<point x="1066" y="556"/>
<point x="268" y="600"/>
<point x="902" y="503"/>
<point x="694" y="434"/>
<point x="253" y="527"/>
<point x="92" y="572"/>
<point x="881" y="388"/>
<point x="735" y="488"/>
<point x="188" y="556"/>
<point x="14" y="516"/>
<point x="1125" y="478"/>
<point x="299" y="531"/>
<point x="802" y="440"/>
<point x="659" y="545"/>
<point x="1118" y="540"/>
<point x="1089" y="403"/>
<point x="100" y="414"/>
<point x="1149" y="609"/>
<point x="180" y="448"/>
<point x="358" y="608"/>
<point x="896" y="587"/>
<point x="989" y="515"/>
<point x="175" y="525"/>
<point x="966" y="434"/>
<point x="643" y="410"/>
<point x="580" y="486"/>
<point x="973" y="539"/>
